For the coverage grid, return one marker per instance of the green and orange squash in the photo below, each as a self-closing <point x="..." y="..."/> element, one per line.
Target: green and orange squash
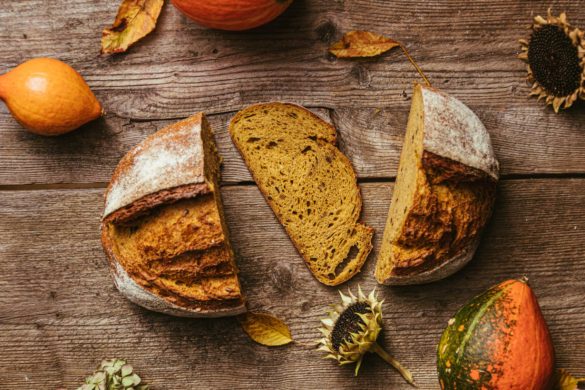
<point x="499" y="340"/>
<point x="234" y="15"/>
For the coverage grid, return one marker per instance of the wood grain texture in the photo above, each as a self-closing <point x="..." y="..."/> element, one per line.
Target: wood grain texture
<point x="467" y="48"/>
<point x="370" y="137"/>
<point x="60" y="313"/>
<point x="89" y="155"/>
<point x="468" y="51"/>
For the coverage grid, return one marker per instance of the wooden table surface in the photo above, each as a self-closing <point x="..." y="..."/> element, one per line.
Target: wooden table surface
<point x="60" y="313"/>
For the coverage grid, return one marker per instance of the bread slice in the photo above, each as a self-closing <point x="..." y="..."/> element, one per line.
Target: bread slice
<point x="444" y="192"/>
<point x="309" y="184"/>
<point x="163" y="228"/>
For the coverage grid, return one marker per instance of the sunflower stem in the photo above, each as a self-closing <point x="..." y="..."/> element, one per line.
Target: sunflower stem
<point x="406" y="374"/>
<point x="358" y="365"/>
<point x="413" y="62"/>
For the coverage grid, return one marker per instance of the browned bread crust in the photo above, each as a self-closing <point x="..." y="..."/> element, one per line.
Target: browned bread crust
<point x="163" y="229"/>
<point x="444" y="192"/>
<point x="451" y="207"/>
<point x="143" y="205"/>
<point x="309" y="184"/>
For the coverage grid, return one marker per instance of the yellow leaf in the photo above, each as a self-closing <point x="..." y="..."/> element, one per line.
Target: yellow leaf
<point x="265" y="329"/>
<point x="565" y="381"/>
<point x="135" y="20"/>
<point x="362" y="44"/>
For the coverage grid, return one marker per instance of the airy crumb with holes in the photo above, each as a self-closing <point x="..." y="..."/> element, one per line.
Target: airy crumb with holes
<point x="309" y="184"/>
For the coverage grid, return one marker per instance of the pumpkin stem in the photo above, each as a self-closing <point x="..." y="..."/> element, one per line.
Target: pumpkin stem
<point x="406" y="374"/>
<point x="413" y="62"/>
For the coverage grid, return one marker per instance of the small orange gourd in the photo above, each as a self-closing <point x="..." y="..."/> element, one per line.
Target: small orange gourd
<point x="48" y="97"/>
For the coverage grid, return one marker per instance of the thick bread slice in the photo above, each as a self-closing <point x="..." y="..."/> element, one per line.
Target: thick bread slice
<point x="444" y="192"/>
<point x="170" y="230"/>
<point x="155" y="248"/>
<point x="163" y="228"/>
<point x="309" y="184"/>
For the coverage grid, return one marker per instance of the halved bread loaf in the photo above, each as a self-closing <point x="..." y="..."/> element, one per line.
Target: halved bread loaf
<point x="444" y="192"/>
<point x="309" y="184"/>
<point x="163" y="228"/>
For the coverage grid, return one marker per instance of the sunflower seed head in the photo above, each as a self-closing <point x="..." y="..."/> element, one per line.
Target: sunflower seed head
<point x="555" y="57"/>
<point x="350" y="347"/>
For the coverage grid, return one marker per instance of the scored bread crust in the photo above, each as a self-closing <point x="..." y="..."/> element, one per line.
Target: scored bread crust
<point x="453" y="200"/>
<point x="167" y="167"/>
<point x="363" y="233"/>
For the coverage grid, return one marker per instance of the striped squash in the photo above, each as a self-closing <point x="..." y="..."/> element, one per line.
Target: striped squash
<point x="234" y="15"/>
<point x="499" y="340"/>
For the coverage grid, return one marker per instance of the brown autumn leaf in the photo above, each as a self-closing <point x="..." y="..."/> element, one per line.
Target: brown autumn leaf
<point x="565" y="381"/>
<point x="265" y="329"/>
<point x="362" y="44"/>
<point x="135" y="20"/>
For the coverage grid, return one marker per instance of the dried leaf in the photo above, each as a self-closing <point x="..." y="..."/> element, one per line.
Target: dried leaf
<point x="135" y="20"/>
<point x="565" y="381"/>
<point x="265" y="329"/>
<point x="362" y="44"/>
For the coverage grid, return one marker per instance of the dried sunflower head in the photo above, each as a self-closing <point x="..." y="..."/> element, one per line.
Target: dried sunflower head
<point x="555" y="55"/>
<point x="352" y="328"/>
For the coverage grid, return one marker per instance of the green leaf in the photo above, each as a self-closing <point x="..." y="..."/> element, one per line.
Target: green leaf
<point x="126" y="370"/>
<point x="113" y="374"/>
<point x="128" y="381"/>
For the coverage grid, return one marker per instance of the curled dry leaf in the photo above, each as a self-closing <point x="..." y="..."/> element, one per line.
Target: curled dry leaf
<point x="265" y="329"/>
<point x="362" y="44"/>
<point x="565" y="381"/>
<point x="135" y="20"/>
<point x="356" y="44"/>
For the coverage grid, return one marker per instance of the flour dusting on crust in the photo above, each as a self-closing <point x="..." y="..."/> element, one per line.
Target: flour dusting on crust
<point x="172" y="158"/>
<point x="452" y="130"/>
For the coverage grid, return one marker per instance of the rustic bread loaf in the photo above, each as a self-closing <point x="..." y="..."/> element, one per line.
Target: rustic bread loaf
<point x="444" y="192"/>
<point x="163" y="228"/>
<point x="309" y="184"/>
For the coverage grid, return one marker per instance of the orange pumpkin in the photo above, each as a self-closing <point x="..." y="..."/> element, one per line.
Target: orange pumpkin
<point x="497" y="341"/>
<point x="234" y="15"/>
<point x="48" y="97"/>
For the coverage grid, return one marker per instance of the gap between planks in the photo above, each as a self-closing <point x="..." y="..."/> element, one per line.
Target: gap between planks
<point x="104" y="185"/>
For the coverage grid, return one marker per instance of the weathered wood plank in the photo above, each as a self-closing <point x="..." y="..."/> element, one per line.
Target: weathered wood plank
<point x="467" y="50"/>
<point x="90" y="154"/>
<point x="371" y="138"/>
<point x="60" y="314"/>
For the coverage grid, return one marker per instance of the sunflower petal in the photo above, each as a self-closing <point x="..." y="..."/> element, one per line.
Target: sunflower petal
<point x="540" y="20"/>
